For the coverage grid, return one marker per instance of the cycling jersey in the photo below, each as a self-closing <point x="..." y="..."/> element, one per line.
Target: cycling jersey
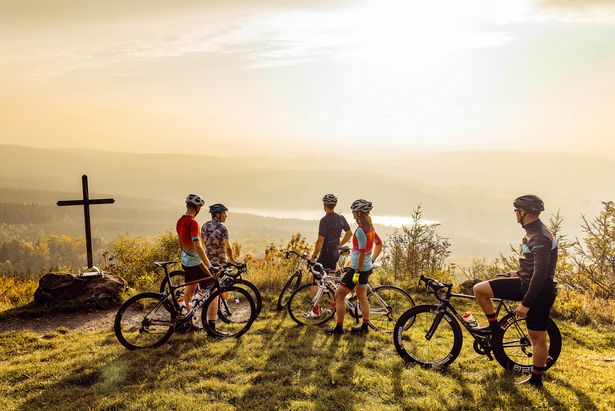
<point x="537" y="266"/>
<point x="188" y="231"/>
<point x="363" y="241"/>
<point x="331" y="227"/>
<point x="214" y="233"/>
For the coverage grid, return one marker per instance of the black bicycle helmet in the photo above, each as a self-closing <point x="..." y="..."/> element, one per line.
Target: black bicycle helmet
<point x="529" y="203"/>
<point x="329" y="200"/>
<point x="217" y="208"/>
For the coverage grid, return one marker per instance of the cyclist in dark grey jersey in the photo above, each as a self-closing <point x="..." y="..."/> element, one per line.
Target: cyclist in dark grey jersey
<point x="532" y="284"/>
<point x="330" y="229"/>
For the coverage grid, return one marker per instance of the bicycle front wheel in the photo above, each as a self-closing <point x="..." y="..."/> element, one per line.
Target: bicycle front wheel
<point x="145" y="320"/>
<point x="235" y="310"/>
<point x="514" y="350"/>
<point x="290" y="286"/>
<point x="311" y="305"/>
<point x="434" y="339"/>
<point x="386" y="304"/>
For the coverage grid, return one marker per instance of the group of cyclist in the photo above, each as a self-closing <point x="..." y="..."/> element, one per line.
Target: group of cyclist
<point x="533" y="284"/>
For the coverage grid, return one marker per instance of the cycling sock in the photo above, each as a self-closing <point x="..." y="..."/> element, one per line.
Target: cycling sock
<point x="538" y="370"/>
<point x="492" y="318"/>
<point x="339" y="326"/>
<point x="365" y="324"/>
<point x="211" y="324"/>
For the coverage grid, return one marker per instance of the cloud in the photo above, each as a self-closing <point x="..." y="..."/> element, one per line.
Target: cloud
<point x="577" y="10"/>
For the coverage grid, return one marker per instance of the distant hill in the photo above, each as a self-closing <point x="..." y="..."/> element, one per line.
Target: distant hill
<point x="470" y="192"/>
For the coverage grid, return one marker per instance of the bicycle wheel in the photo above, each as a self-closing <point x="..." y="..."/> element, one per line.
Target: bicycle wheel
<point x="177" y="277"/>
<point x="386" y="304"/>
<point x="144" y="320"/>
<point x="311" y="305"/>
<point x="236" y="312"/>
<point x="290" y="286"/>
<point x="254" y="292"/>
<point x="513" y="350"/>
<point x="414" y="345"/>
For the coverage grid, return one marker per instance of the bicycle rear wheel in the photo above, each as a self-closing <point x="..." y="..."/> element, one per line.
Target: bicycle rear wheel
<point x="144" y="320"/>
<point x="290" y="286"/>
<point x="254" y="292"/>
<point x="236" y="312"/>
<point x="414" y="344"/>
<point x="513" y="350"/>
<point x="386" y="304"/>
<point x="311" y="305"/>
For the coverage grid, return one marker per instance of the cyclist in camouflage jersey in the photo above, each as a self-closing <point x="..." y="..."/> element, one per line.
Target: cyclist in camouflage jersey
<point x="216" y="238"/>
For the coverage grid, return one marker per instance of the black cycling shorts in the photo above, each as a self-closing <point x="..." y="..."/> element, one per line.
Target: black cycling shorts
<point x="514" y="289"/>
<point x="347" y="279"/>
<point x="328" y="258"/>
<point x="197" y="273"/>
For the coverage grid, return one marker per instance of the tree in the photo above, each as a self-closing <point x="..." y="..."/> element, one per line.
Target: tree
<point x="416" y="249"/>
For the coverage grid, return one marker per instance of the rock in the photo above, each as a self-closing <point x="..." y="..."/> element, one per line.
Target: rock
<point x="69" y="290"/>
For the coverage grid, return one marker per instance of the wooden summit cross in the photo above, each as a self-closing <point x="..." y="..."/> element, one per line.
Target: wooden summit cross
<point x="86" y="202"/>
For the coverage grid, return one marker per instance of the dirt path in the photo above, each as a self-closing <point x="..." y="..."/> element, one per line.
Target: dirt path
<point x="89" y="321"/>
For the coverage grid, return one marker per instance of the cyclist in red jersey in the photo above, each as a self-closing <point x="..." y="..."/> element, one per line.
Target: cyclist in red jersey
<point x="194" y="261"/>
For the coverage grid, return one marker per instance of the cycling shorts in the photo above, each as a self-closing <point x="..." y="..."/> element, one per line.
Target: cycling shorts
<point x="348" y="280"/>
<point x="328" y="258"/>
<point x="514" y="289"/>
<point x="196" y="273"/>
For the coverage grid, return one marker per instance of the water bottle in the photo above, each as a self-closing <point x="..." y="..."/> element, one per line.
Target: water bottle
<point x="469" y="318"/>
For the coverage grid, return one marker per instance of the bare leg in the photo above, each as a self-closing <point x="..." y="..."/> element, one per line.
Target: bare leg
<point x="484" y="294"/>
<point x="188" y="294"/>
<point x="539" y="347"/>
<point x="361" y="291"/>
<point x="212" y="310"/>
<point x="340" y="304"/>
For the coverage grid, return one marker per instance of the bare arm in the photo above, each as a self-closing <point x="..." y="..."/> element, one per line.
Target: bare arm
<point x="346" y="237"/>
<point x="318" y="246"/>
<point x="361" y="260"/>
<point x="229" y="251"/>
<point x="201" y="252"/>
<point x="377" y="251"/>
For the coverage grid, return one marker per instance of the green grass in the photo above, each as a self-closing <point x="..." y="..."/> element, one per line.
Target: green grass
<point x="278" y="365"/>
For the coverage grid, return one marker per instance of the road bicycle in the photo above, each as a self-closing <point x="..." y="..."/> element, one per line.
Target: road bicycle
<point x="294" y="281"/>
<point x="314" y="303"/>
<point x="149" y="319"/>
<point x="435" y="337"/>
<point x="230" y="274"/>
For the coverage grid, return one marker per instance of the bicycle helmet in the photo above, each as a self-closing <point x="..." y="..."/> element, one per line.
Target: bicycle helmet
<point x="217" y="208"/>
<point x="529" y="203"/>
<point x="329" y="200"/>
<point x="361" y="205"/>
<point x="195" y="199"/>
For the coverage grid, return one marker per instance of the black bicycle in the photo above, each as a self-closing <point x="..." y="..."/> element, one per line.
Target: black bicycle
<point x="230" y="274"/>
<point x="294" y="280"/>
<point x="149" y="319"/>
<point x="435" y="337"/>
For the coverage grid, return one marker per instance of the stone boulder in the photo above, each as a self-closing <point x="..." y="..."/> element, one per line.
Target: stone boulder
<point x="69" y="290"/>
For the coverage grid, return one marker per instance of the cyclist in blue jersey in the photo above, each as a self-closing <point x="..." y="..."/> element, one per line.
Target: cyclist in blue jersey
<point x="361" y="263"/>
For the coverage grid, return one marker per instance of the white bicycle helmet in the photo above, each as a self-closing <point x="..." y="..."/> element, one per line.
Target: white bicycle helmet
<point x="361" y="205"/>
<point x="195" y="199"/>
<point x="329" y="200"/>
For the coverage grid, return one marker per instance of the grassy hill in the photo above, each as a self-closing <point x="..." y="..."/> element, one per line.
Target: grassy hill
<point x="278" y="365"/>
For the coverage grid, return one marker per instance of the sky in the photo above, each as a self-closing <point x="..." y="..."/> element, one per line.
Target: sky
<point x="329" y="78"/>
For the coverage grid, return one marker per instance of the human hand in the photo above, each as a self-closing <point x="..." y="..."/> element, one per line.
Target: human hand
<point x="513" y="274"/>
<point x="521" y="311"/>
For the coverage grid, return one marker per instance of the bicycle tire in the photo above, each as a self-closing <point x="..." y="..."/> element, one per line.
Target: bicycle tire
<point x="291" y="285"/>
<point x="138" y="307"/>
<point x="408" y="339"/>
<point x="175" y="275"/>
<point x="238" y="320"/>
<point x="300" y="304"/>
<point x="503" y="350"/>
<point x="384" y="318"/>
<point x="256" y="294"/>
